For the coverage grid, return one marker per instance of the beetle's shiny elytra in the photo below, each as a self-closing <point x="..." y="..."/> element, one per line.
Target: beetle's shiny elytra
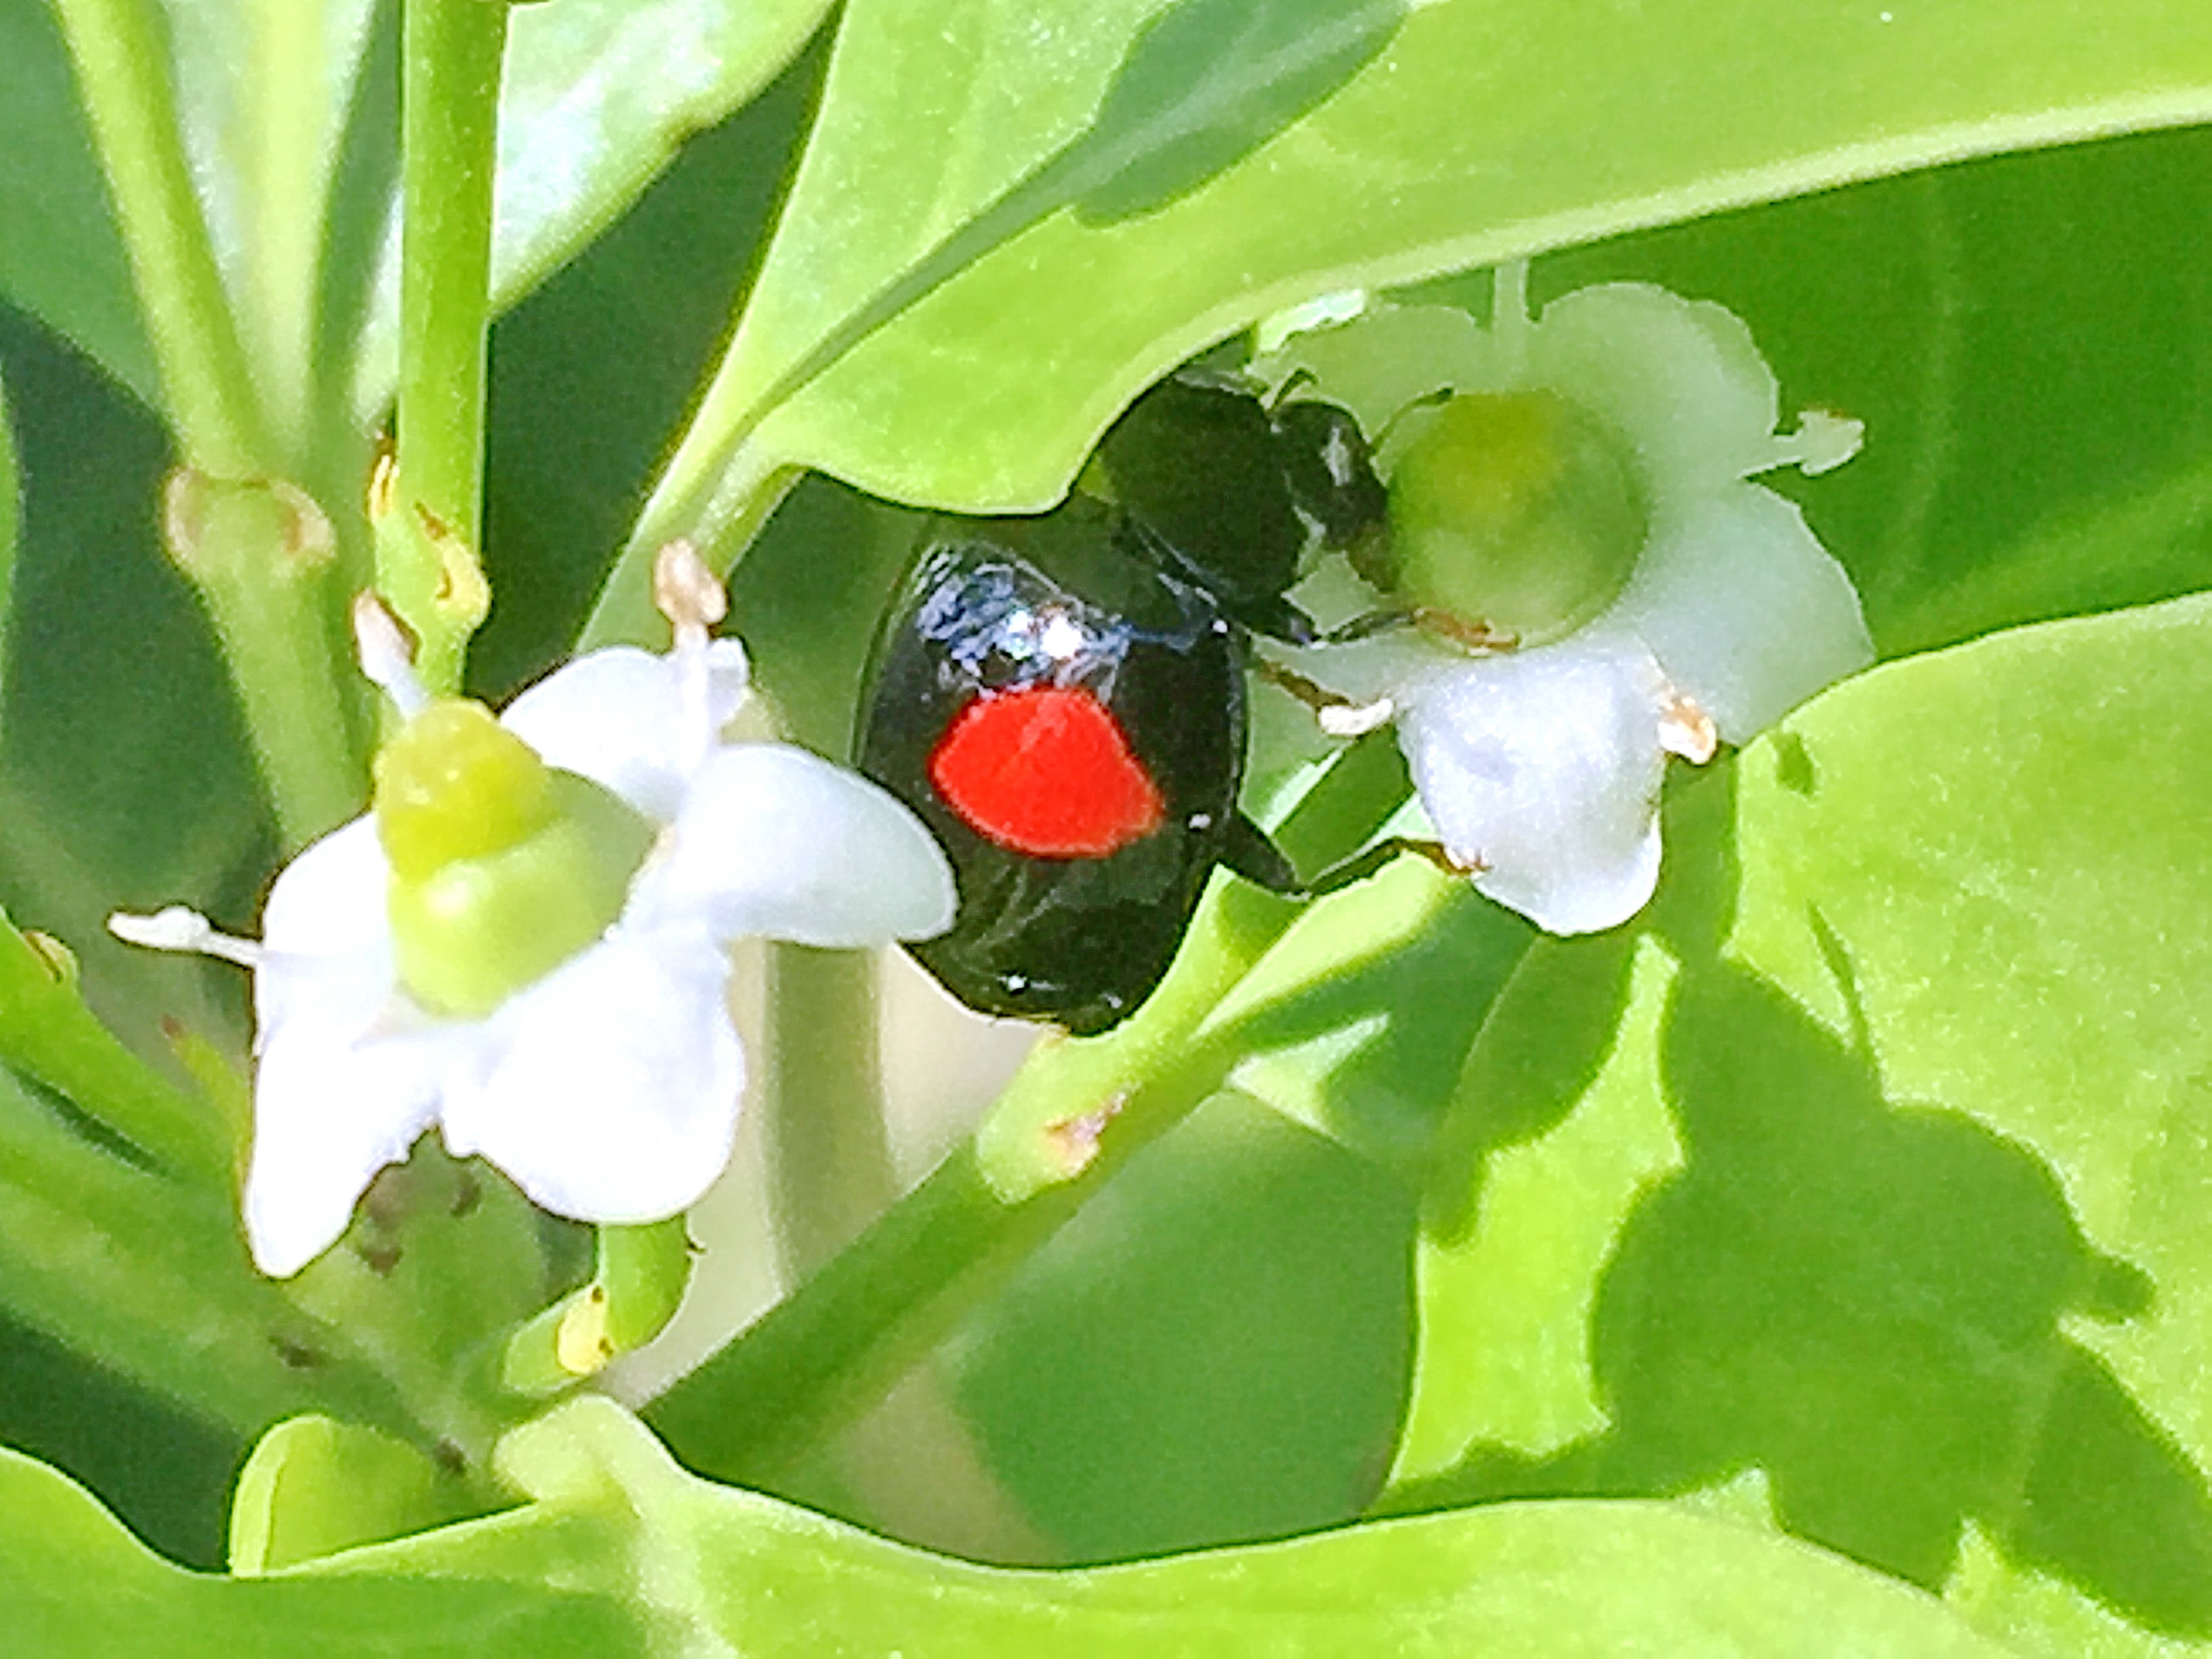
<point x="1062" y="698"/>
<point x="1072" y="905"/>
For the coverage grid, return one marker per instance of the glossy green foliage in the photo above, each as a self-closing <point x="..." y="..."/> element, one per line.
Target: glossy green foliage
<point x="1010" y="317"/>
<point x="649" y="1561"/>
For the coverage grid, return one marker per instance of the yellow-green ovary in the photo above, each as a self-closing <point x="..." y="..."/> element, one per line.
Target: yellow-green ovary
<point x="502" y="867"/>
<point x="1517" y="512"/>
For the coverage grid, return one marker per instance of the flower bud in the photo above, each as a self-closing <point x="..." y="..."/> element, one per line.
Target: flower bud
<point x="1517" y="513"/>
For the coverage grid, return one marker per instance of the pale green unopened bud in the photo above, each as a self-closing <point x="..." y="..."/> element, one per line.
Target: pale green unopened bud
<point x="1515" y="512"/>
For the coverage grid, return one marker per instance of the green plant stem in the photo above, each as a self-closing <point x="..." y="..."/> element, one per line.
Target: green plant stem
<point x="829" y="1163"/>
<point x="451" y="53"/>
<point x="287" y="667"/>
<point x="1077" y="1112"/>
<point x="271" y="612"/>
<point x="290" y="43"/>
<point x="261" y="556"/>
<point x="121" y="52"/>
<point x="151" y="1280"/>
<point x="744" y="501"/>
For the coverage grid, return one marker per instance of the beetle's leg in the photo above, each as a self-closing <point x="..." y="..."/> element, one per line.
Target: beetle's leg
<point x="1339" y="715"/>
<point x="1279" y="619"/>
<point x="1477" y="636"/>
<point x="1298" y="377"/>
<point x="1252" y="853"/>
<point x="1436" y="399"/>
<point x="1362" y="864"/>
<point x="1480" y="637"/>
<point x="1367" y="625"/>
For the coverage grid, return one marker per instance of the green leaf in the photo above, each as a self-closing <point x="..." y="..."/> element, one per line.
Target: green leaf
<point x="1889" y="1185"/>
<point x="972" y="340"/>
<point x="314" y="1485"/>
<point x="597" y="96"/>
<point x="76" y="1582"/>
<point x="708" y="1565"/>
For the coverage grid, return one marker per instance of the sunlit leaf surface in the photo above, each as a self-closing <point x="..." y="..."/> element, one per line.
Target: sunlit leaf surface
<point x="650" y="1561"/>
<point x="976" y="313"/>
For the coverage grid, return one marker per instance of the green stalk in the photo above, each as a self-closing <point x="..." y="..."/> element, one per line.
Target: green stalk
<point x="258" y="572"/>
<point x="122" y="56"/>
<point x="426" y="566"/>
<point x="830" y="1164"/>
<point x="1078" y="1111"/>
<point x="262" y="555"/>
<point x="285" y="242"/>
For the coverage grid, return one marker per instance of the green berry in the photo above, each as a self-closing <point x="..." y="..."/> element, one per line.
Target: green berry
<point x="1517" y="513"/>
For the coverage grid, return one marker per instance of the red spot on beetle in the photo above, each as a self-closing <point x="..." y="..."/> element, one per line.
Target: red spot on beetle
<point x="1047" y="772"/>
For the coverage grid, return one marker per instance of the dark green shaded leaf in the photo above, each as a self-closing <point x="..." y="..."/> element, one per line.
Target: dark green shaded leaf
<point x="123" y="768"/>
<point x="2022" y="337"/>
<point x="590" y="374"/>
<point x="11" y="522"/>
<point x="1214" y="1349"/>
<point x="60" y="258"/>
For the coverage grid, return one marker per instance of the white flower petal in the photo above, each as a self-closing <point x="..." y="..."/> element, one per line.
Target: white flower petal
<point x="617" y="717"/>
<point x="326" y="945"/>
<point x="331" y="1109"/>
<point x="1745" y="610"/>
<point x="613" y="1092"/>
<point x="775" y="841"/>
<point x="1544" y="765"/>
<point x="353" y="992"/>
<point x="329" y="901"/>
<point x="1681" y="380"/>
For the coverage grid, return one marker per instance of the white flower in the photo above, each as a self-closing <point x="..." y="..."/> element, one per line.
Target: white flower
<point x="608" y="1089"/>
<point x="1540" y="767"/>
